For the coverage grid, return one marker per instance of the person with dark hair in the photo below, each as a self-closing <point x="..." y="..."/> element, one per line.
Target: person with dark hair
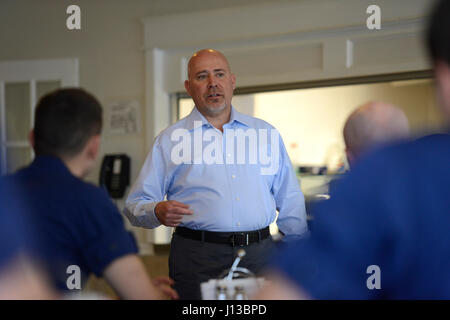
<point x="79" y="228"/>
<point x="65" y="121"/>
<point x="384" y="234"/>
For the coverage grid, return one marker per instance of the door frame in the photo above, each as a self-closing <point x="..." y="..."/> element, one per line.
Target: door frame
<point x="64" y="70"/>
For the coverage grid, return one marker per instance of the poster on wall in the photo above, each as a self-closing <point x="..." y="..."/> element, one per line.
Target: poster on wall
<point x="123" y="117"/>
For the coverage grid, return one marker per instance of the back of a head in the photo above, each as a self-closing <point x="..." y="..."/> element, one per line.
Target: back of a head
<point x="438" y="33"/>
<point x="372" y="124"/>
<point x="64" y="121"/>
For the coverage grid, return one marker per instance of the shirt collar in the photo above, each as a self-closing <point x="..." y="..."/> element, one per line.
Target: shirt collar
<point x="195" y="115"/>
<point x="50" y="163"/>
<point x="236" y="116"/>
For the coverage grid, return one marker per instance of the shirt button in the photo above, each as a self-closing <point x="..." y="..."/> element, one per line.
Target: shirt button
<point x="238" y="223"/>
<point x="233" y="176"/>
<point x="237" y="198"/>
<point x="229" y="155"/>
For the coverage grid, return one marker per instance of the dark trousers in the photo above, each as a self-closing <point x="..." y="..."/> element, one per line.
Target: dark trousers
<point x="192" y="262"/>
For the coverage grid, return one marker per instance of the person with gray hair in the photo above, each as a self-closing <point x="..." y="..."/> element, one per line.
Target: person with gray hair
<point x="372" y="124"/>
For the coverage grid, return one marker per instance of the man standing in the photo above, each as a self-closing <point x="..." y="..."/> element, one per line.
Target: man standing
<point x="219" y="197"/>
<point x="80" y="230"/>
<point x="385" y="232"/>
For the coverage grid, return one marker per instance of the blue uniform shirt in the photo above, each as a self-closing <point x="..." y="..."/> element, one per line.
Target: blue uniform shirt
<point x="15" y="236"/>
<point x="232" y="181"/>
<point x="77" y="223"/>
<point x="391" y="212"/>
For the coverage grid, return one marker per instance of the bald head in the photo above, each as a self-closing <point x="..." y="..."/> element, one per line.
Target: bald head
<point x="371" y="124"/>
<point x="203" y="54"/>
<point x="211" y="85"/>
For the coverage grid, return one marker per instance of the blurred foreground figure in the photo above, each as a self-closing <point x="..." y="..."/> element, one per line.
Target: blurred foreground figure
<point x="372" y="124"/>
<point x="80" y="230"/>
<point x="386" y="231"/>
<point x="20" y="277"/>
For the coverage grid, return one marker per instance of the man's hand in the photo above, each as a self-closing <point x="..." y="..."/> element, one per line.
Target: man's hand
<point x="171" y="212"/>
<point x="164" y="285"/>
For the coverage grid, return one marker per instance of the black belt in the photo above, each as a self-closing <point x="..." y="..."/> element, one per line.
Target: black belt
<point x="233" y="238"/>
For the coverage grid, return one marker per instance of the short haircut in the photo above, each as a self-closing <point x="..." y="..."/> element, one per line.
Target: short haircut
<point x="438" y="33"/>
<point x="64" y="121"/>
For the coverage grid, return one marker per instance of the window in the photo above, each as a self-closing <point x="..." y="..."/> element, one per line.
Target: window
<point x="22" y="84"/>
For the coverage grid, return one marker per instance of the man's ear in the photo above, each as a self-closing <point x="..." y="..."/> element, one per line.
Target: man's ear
<point x="31" y="138"/>
<point x="233" y="80"/>
<point x="186" y="86"/>
<point x="93" y="147"/>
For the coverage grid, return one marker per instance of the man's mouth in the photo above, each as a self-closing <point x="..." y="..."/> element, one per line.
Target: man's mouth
<point x="214" y="95"/>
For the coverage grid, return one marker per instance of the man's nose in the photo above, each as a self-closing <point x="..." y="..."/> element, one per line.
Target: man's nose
<point x="212" y="82"/>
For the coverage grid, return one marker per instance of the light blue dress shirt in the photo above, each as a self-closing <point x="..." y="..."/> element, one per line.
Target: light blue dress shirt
<point x="225" y="188"/>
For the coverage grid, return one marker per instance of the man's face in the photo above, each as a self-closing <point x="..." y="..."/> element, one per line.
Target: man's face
<point x="210" y="83"/>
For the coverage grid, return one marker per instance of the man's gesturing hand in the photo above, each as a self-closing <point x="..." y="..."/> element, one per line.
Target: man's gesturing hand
<point x="171" y="212"/>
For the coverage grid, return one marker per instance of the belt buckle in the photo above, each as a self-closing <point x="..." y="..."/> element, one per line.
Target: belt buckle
<point x="233" y="239"/>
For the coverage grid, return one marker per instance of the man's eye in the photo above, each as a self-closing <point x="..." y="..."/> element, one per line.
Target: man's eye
<point x="220" y="74"/>
<point x="201" y="77"/>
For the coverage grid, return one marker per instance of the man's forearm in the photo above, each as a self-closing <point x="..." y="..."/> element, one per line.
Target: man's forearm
<point x="142" y="214"/>
<point x="278" y="287"/>
<point x="129" y="279"/>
